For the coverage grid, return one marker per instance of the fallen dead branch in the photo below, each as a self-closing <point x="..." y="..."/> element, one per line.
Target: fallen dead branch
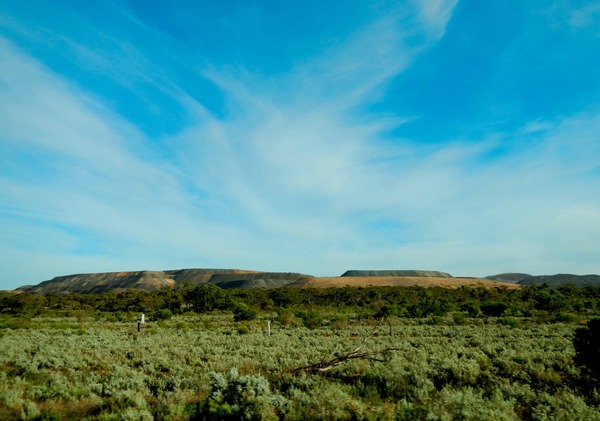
<point x="327" y="365"/>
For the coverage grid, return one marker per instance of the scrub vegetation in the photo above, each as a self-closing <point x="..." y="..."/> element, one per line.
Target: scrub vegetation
<point x="348" y="353"/>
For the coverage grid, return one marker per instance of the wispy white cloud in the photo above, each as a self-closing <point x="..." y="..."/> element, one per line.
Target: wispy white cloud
<point x="586" y="16"/>
<point x="271" y="173"/>
<point x="79" y="167"/>
<point x="313" y="170"/>
<point x="435" y="14"/>
<point x="297" y="174"/>
<point x="305" y="128"/>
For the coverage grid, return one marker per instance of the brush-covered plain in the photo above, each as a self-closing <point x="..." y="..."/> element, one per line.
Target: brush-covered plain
<point x="94" y="365"/>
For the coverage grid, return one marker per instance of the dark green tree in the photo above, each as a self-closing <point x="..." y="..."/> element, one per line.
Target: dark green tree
<point x="209" y="297"/>
<point x="587" y="350"/>
<point x="493" y="308"/>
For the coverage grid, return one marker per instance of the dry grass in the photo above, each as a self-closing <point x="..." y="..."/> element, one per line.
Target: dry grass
<point x="405" y="281"/>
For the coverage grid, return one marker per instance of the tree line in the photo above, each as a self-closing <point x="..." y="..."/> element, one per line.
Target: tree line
<point x="412" y="302"/>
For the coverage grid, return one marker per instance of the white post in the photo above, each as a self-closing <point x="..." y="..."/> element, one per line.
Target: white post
<point x="268" y="328"/>
<point x="141" y="323"/>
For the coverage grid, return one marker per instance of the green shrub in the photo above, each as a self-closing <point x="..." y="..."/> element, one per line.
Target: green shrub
<point x="117" y="316"/>
<point x="435" y="321"/>
<point x="312" y="319"/>
<point x="243" y="330"/>
<point x="241" y="312"/>
<point x="409" y="411"/>
<point x="509" y="321"/>
<point x="471" y="308"/>
<point x="182" y="325"/>
<point x="564" y="317"/>
<point x="45" y="416"/>
<point x="286" y="317"/>
<point x="459" y="318"/>
<point x="338" y="322"/>
<point x="163" y="314"/>
<point x="16" y="323"/>
<point x="235" y="397"/>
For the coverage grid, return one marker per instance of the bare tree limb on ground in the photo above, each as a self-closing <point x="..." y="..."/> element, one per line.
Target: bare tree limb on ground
<point x="327" y="365"/>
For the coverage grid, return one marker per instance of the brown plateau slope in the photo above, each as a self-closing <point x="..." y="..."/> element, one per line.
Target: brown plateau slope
<point x="96" y="283"/>
<point x="404" y="281"/>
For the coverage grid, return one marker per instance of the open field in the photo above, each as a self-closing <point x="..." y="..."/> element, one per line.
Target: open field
<point x="406" y="353"/>
<point x="203" y="366"/>
<point x="403" y="281"/>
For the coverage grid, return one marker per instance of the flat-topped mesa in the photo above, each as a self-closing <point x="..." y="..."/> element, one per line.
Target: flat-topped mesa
<point x="96" y="283"/>
<point x="90" y="283"/>
<point x="397" y="273"/>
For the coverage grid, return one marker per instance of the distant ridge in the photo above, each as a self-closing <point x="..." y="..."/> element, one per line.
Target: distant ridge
<point x="96" y="283"/>
<point x="417" y="273"/>
<point x="562" y="279"/>
<point x="553" y="281"/>
<point x="509" y="277"/>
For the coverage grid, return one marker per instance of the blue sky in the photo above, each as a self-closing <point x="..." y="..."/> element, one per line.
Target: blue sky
<point x="315" y="137"/>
